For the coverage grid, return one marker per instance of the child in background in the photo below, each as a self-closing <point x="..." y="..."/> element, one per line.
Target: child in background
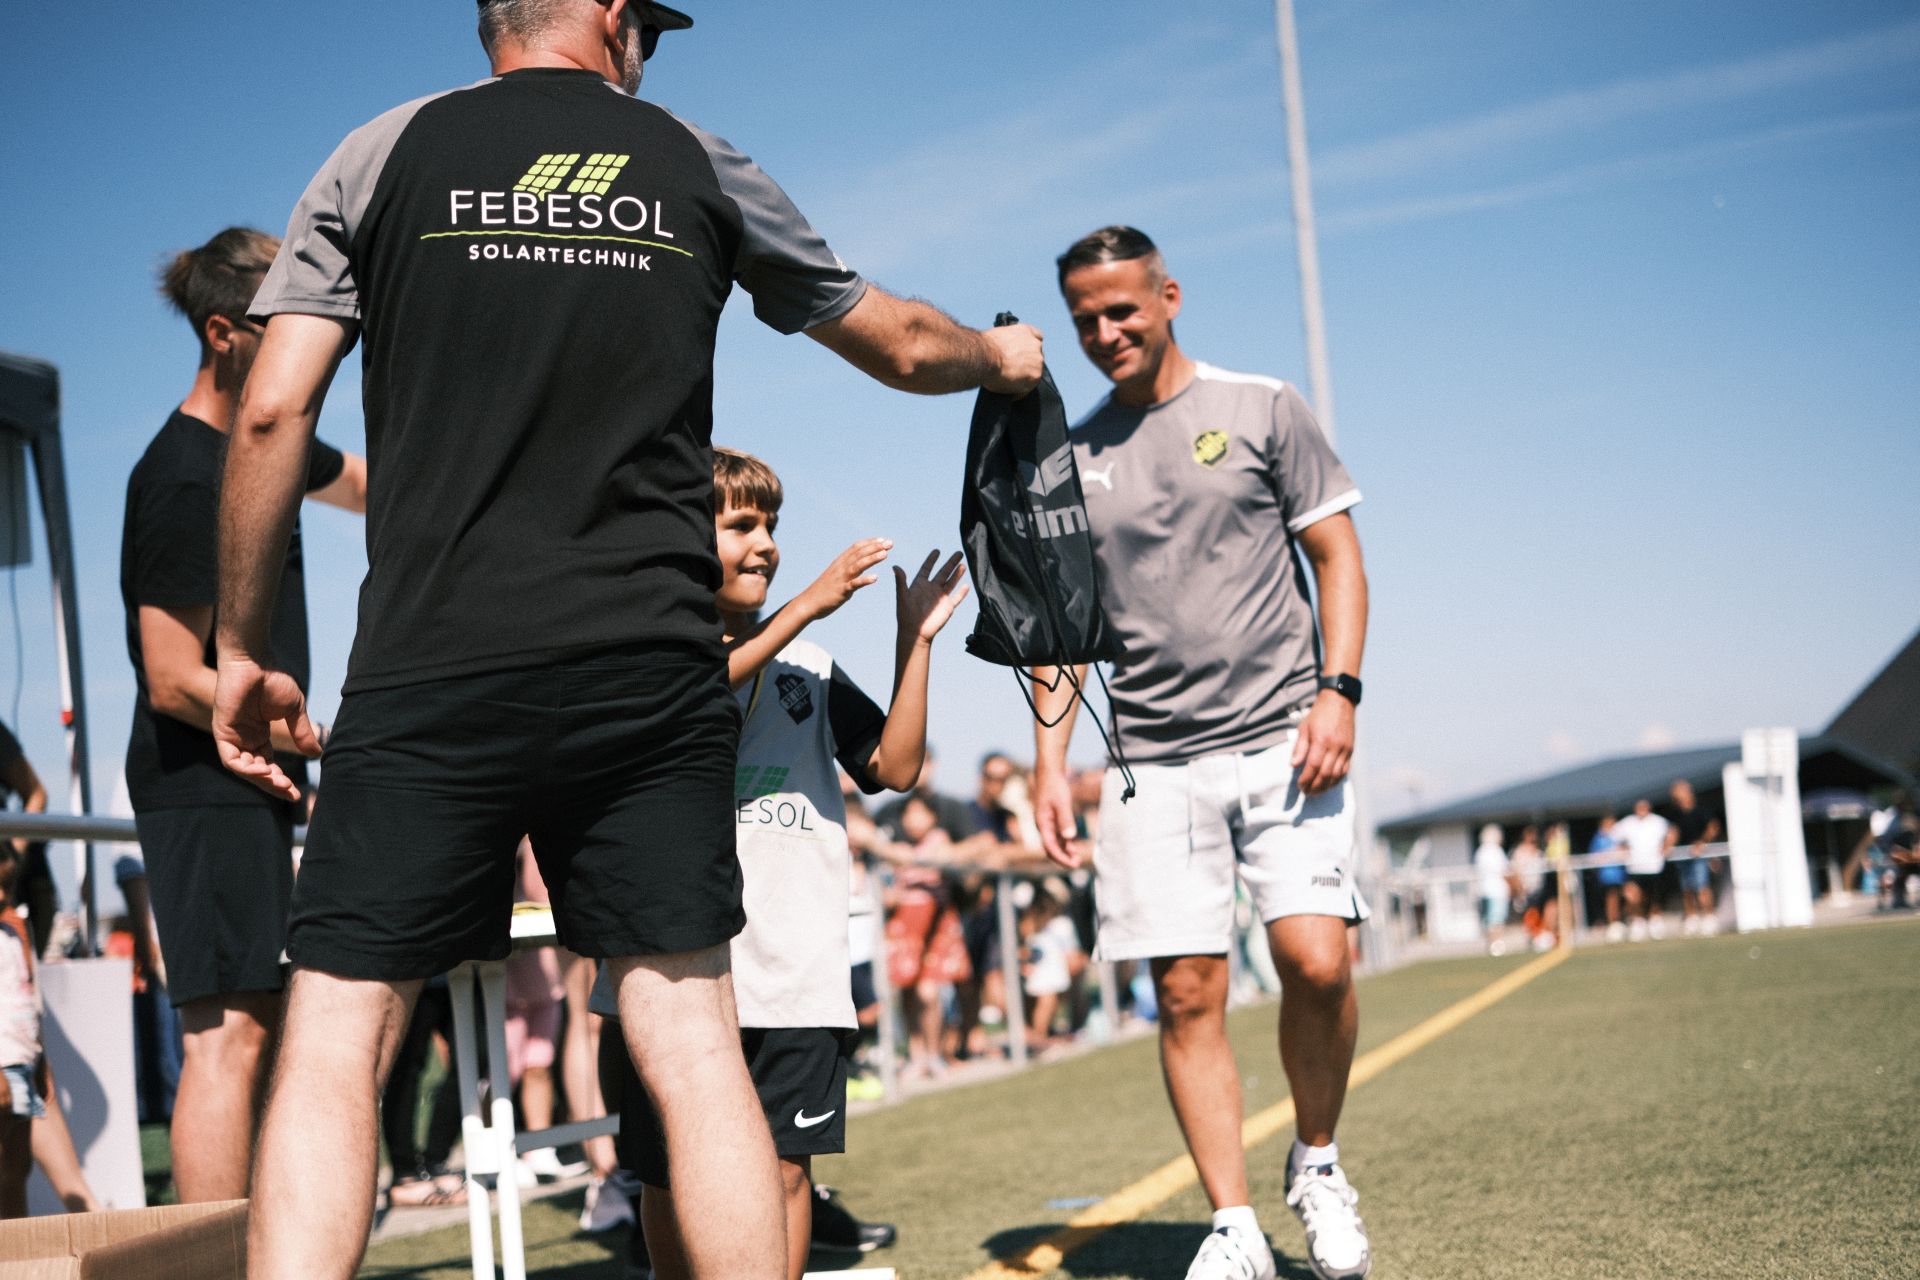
<point x="21" y="1083"/>
<point x="1052" y="960"/>
<point x="926" y="945"/>
<point x="800" y="713"/>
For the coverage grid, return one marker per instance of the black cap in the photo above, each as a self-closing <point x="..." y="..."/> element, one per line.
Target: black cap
<point x="654" y="15"/>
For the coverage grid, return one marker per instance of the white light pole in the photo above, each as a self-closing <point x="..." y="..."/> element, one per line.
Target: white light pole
<point x="1378" y="949"/>
<point x="1319" y="378"/>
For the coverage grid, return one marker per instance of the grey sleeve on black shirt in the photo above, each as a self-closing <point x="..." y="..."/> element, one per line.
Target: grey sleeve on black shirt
<point x="796" y="281"/>
<point x="1312" y="482"/>
<point x="313" y="272"/>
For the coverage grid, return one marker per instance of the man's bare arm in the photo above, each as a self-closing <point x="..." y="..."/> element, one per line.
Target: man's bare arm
<point x="1323" y="749"/>
<point x="180" y="684"/>
<point x="348" y="491"/>
<point x="912" y="346"/>
<point x="260" y="495"/>
<point x="1057" y="702"/>
<point x="266" y="470"/>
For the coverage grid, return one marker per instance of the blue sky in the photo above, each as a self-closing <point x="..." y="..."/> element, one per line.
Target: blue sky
<point x="1623" y="305"/>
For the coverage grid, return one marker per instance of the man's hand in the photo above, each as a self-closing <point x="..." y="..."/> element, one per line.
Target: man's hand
<point x="1323" y="747"/>
<point x="1053" y="815"/>
<point x="846" y="575"/>
<point x="924" y="605"/>
<point x="247" y="701"/>
<point x="1018" y="359"/>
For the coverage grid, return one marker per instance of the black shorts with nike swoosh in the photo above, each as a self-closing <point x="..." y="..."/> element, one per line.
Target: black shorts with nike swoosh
<point x="801" y="1076"/>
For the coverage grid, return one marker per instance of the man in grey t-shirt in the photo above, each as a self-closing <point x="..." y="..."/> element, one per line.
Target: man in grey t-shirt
<point x="1237" y="712"/>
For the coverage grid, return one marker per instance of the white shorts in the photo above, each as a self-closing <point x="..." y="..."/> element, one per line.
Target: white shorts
<point x="1165" y="861"/>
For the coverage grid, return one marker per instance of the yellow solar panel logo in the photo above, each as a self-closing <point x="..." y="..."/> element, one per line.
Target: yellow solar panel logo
<point x="598" y="173"/>
<point x="548" y="172"/>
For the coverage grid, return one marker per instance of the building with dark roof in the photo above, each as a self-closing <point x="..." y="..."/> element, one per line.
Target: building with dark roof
<point x="1884" y="718"/>
<point x="1871" y="749"/>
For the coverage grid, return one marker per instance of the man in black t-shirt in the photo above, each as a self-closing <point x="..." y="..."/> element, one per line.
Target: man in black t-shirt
<point x="536" y="266"/>
<point x="218" y="851"/>
<point x="1692" y="829"/>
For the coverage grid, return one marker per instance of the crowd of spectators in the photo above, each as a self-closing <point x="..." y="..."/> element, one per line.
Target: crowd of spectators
<point x="932" y="863"/>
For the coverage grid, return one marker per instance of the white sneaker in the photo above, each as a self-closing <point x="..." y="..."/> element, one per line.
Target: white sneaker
<point x="607" y="1207"/>
<point x="1689" y="926"/>
<point x="1616" y="932"/>
<point x="1709" y="926"/>
<point x="1657" y="928"/>
<point x="1543" y="942"/>
<point x="545" y="1163"/>
<point x="1337" y="1244"/>
<point x="1229" y="1253"/>
<point x="1637" y="931"/>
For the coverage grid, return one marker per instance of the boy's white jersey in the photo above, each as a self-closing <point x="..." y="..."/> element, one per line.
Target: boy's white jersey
<point x="791" y="964"/>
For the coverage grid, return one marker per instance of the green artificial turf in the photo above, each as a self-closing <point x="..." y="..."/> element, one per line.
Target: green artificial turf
<point x="1738" y="1107"/>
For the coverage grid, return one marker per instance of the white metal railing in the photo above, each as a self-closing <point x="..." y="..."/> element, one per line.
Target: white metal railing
<point x="1401" y="888"/>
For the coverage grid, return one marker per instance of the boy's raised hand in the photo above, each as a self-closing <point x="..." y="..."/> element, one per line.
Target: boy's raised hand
<point x="924" y="604"/>
<point x="846" y="575"/>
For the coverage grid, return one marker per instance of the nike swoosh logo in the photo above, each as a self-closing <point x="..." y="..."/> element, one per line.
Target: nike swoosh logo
<point x="801" y="1120"/>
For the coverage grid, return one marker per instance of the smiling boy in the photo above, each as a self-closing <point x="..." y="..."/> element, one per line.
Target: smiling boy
<point x="800" y="715"/>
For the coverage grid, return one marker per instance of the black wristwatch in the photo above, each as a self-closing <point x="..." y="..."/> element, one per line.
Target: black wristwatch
<point x="1347" y="687"/>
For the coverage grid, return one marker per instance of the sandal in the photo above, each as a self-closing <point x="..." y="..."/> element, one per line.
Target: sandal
<point x="442" y="1192"/>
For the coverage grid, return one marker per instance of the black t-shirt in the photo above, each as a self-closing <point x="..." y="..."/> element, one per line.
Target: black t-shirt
<point x="1690" y="826"/>
<point x="9" y="752"/>
<point x="537" y="264"/>
<point x="168" y="557"/>
<point x="857" y="723"/>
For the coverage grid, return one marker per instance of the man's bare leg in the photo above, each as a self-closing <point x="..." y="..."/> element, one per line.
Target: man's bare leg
<point x="1319" y="1018"/>
<point x="53" y="1152"/>
<point x="1202" y="1080"/>
<point x="678" y="1015"/>
<point x="313" y="1184"/>
<point x="580" y="1062"/>
<point x="666" y="1256"/>
<point x="229" y="1050"/>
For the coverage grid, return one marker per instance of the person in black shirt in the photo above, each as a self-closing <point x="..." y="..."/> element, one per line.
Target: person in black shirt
<point x="33" y="888"/>
<point x="535" y="265"/>
<point x="1694" y="828"/>
<point x="218" y="852"/>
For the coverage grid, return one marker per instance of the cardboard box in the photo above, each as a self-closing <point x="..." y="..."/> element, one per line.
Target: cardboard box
<point x="174" y="1242"/>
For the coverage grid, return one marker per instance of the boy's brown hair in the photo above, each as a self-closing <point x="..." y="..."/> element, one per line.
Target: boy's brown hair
<point x="742" y="480"/>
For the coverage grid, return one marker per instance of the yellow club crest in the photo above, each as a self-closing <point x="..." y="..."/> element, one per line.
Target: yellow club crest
<point x="1209" y="447"/>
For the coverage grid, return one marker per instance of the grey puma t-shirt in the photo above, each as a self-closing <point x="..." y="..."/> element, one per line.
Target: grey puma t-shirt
<point x="1194" y="504"/>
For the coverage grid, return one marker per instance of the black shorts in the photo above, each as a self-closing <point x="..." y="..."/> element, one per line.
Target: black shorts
<point x="220" y="877"/>
<point x="1649" y="882"/>
<point x="864" y="994"/>
<point x="619" y="768"/>
<point x="801" y="1076"/>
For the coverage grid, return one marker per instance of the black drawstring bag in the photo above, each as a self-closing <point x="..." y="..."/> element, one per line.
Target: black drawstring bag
<point x="1023" y="522"/>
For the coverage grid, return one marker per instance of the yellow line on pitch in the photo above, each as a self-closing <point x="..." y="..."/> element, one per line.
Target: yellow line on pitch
<point x="1176" y="1176"/>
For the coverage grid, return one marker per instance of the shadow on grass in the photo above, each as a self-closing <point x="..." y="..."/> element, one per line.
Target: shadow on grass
<point x="1134" y="1250"/>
